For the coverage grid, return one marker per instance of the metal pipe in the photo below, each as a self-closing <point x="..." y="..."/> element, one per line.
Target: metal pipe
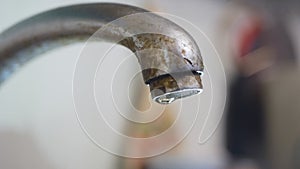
<point x="170" y="76"/>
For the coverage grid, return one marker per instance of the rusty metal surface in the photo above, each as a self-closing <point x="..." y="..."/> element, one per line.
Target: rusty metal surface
<point x="172" y="50"/>
<point x="160" y="54"/>
<point x="169" y="65"/>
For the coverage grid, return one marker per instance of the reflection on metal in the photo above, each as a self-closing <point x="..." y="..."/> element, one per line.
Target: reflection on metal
<point x="171" y="66"/>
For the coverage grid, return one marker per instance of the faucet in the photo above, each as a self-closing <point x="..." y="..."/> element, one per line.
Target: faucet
<point x="170" y="75"/>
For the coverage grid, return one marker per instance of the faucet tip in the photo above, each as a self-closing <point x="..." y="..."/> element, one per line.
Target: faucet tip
<point x="168" y="88"/>
<point x="170" y="97"/>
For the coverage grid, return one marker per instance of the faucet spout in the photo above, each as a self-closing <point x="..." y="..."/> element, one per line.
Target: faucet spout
<point x="171" y="62"/>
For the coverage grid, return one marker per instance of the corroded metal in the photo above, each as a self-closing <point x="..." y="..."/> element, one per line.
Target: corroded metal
<point x="171" y="55"/>
<point x="171" y="67"/>
<point x="162" y="47"/>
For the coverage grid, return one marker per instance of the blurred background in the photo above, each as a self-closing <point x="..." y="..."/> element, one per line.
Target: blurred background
<point x="259" y="46"/>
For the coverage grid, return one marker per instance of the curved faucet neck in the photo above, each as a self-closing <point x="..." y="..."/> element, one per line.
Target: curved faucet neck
<point x="162" y="47"/>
